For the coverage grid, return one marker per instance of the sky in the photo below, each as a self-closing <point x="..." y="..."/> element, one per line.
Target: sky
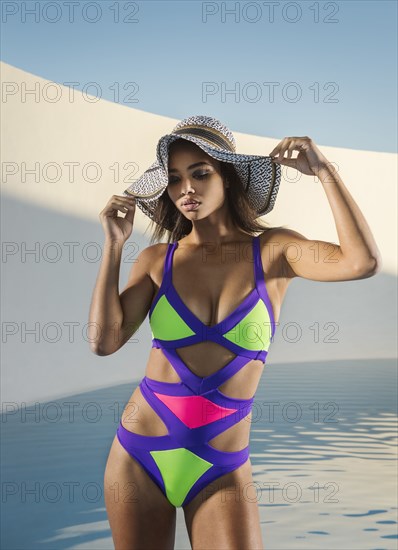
<point x="326" y="70"/>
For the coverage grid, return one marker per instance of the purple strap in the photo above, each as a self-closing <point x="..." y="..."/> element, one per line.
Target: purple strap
<point x="197" y="384"/>
<point x="180" y="435"/>
<point x="260" y="283"/>
<point x="188" y="437"/>
<point x="168" y="265"/>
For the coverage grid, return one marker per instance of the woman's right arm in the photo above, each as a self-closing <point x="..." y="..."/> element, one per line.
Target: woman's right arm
<point x="109" y="326"/>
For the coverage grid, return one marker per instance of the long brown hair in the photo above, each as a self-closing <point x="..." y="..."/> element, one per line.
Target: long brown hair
<point x="242" y="214"/>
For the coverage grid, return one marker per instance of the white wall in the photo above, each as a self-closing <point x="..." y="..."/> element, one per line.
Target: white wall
<point x="53" y="293"/>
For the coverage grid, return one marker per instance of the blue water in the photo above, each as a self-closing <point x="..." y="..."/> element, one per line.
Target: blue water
<point x="332" y="421"/>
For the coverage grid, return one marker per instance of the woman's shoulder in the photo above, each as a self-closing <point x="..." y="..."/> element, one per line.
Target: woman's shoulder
<point x="272" y="241"/>
<point x="280" y="235"/>
<point x="152" y="254"/>
<point x="271" y="233"/>
<point x="276" y="234"/>
<point x="154" y="251"/>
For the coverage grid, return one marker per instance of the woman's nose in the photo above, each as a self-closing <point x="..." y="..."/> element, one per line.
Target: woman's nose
<point x="186" y="185"/>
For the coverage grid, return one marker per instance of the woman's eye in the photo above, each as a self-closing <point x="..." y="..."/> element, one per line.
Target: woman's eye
<point x="199" y="176"/>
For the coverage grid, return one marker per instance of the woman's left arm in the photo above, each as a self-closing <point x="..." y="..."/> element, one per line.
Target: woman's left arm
<point x="357" y="245"/>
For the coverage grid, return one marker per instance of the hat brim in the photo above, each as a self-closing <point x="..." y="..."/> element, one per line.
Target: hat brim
<point x="259" y="175"/>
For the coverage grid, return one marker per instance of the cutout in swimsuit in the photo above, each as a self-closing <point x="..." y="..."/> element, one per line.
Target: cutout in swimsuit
<point x="194" y="411"/>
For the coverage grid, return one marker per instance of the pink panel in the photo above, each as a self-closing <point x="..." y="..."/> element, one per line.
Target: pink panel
<point x="194" y="410"/>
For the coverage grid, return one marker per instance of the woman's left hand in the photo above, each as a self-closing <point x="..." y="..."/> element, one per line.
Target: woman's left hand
<point x="309" y="160"/>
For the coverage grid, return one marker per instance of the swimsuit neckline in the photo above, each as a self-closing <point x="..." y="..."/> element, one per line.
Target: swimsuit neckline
<point x="240" y="307"/>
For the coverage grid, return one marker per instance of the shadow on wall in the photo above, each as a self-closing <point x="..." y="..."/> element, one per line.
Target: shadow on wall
<point x="50" y="264"/>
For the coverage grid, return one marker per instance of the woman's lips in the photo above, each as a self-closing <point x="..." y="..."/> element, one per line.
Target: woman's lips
<point x="191" y="206"/>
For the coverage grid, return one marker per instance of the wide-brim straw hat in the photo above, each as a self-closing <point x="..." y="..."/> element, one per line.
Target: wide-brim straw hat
<point x="259" y="175"/>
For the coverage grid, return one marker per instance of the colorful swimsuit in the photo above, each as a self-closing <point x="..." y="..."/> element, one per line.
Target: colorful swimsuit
<point x="194" y="410"/>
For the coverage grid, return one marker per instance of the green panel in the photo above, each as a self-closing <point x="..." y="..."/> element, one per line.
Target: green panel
<point x="166" y="324"/>
<point x="253" y="332"/>
<point x="180" y="469"/>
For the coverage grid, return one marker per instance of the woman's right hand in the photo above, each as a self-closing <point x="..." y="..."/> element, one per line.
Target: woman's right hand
<point x="116" y="227"/>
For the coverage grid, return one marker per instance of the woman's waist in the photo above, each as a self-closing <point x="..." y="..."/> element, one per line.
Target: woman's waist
<point x="153" y="411"/>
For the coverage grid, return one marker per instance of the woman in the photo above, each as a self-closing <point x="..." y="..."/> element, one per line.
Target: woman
<point x="213" y="294"/>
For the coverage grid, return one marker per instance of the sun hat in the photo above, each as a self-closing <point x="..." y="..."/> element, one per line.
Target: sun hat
<point x="259" y="175"/>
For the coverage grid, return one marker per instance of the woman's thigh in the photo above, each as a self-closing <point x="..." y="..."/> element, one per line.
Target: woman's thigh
<point x="139" y="514"/>
<point x="225" y="514"/>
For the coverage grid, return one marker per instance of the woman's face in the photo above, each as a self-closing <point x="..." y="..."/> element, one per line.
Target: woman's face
<point x="194" y="175"/>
